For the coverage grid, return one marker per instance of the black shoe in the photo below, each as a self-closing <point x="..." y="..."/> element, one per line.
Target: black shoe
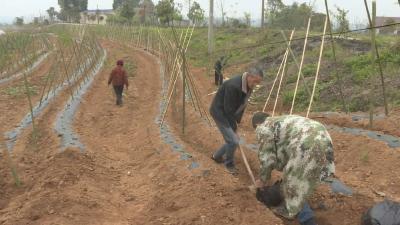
<point x="232" y="170"/>
<point x="309" y="222"/>
<point x="282" y="212"/>
<point x="217" y="160"/>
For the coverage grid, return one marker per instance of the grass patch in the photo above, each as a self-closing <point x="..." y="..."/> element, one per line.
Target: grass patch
<point x="20" y="91"/>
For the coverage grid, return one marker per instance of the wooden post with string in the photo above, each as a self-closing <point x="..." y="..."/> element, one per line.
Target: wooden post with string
<point x="377" y="57"/>
<point x="318" y="67"/>
<point x="301" y="66"/>
<point x="183" y="90"/>
<point x="338" y="78"/>
<point x="373" y="42"/>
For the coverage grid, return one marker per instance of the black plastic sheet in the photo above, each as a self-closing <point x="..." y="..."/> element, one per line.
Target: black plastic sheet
<point x="383" y="213"/>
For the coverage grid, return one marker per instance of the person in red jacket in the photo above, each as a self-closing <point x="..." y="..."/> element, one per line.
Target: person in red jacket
<point x="119" y="78"/>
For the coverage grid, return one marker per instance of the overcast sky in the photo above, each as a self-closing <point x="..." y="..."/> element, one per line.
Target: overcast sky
<point x="9" y="9"/>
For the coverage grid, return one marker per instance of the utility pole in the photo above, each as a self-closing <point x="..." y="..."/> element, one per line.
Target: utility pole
<point x="262" y="13"/>
<point x="210" y="28"/>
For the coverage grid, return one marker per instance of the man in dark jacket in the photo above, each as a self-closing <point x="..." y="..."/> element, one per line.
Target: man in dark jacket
<point x="227" y="110"/>
<point x="119" y="78"/>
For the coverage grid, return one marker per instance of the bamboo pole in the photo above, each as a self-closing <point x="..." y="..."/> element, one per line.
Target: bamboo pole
<point x="12" y="167"/>
<point x="276" y="78"/>
<point x="295" y="61"/>
<point x="28" y="95"/>
<point x="301" y="65"/>
<point x="318" y="68"/>
<point x="283" y="72"/>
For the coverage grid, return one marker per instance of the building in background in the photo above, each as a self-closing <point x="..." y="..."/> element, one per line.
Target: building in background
<point x="382" y="20"/>
<point x="96" y="16"/>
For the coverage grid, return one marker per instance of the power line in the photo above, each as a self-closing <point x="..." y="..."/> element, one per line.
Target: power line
<point x="302" y="38"/>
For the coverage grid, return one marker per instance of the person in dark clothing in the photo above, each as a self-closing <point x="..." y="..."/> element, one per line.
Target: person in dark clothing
<point x="227" y="110"/>
<point x="219" y="65"/>
<point x="119" y="78"/>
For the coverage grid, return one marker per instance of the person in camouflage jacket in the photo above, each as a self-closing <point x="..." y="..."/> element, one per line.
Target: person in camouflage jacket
<point x="299" y="147"/>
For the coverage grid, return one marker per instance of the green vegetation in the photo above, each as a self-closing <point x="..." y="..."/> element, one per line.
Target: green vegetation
<point x="20" y="91"/>
<point x="364" y="156"/>
<point x="354" y="66"/>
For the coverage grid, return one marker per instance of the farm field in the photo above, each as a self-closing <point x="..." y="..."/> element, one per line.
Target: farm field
<point x="69" y="155"/>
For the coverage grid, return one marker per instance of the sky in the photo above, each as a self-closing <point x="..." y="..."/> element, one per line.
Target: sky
<point x="235" y="8"/>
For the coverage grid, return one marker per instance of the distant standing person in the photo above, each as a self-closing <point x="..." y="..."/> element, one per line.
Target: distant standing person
<point x="119" y="78"/>
<point x="227" y="110"/>
<point x="218" y="67"/>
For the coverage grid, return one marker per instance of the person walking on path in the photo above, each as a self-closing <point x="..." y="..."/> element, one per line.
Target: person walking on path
<point x="227" y="110"/>
<point x="119" y="78"/>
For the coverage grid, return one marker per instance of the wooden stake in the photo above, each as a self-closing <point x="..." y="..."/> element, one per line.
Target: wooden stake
<point x="301" y="65"/>
<point x="11" y="165"/>
<point x="377" y="56"/>
<point x="338" y="78"/>
<point x="283" y="73"/>
<point x="276" y="78"/>
<point x="318" y="67"/>
<point x="297" y="64"/>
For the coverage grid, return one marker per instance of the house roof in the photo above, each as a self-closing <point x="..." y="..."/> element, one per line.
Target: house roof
<point x="105" y="11"/>
<point x="381" y="20"/>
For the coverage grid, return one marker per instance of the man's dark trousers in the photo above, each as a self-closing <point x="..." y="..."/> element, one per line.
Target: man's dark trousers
<point x="231" y="143"/>
<point x="118" y="92"/>
<point x="219" y="78"/>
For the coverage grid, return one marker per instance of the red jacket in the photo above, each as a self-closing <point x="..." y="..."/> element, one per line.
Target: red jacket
<point x="118" y="77"/>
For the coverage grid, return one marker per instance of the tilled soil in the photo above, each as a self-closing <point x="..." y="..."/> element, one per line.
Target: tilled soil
<point x="14" y="105"/>
<point x="127" y="175"/>
<point x="366" y="165"/>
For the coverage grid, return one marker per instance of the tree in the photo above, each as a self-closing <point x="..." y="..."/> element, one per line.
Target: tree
<point x="118" y="3"/>
<point x="70" y="9"/>
<point x="196" y="13"/>
<point x="165" y="11"/>
<point x="52" y="13"/>
<point x="247" y="18"/>
<point x="19" y="21"/>
<point x="295" y="15"/>
<point x="127" y="10"/>
<point x="146" y="11"/>
<point x="273" y="7"/>
<point x="342" y="23"/>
